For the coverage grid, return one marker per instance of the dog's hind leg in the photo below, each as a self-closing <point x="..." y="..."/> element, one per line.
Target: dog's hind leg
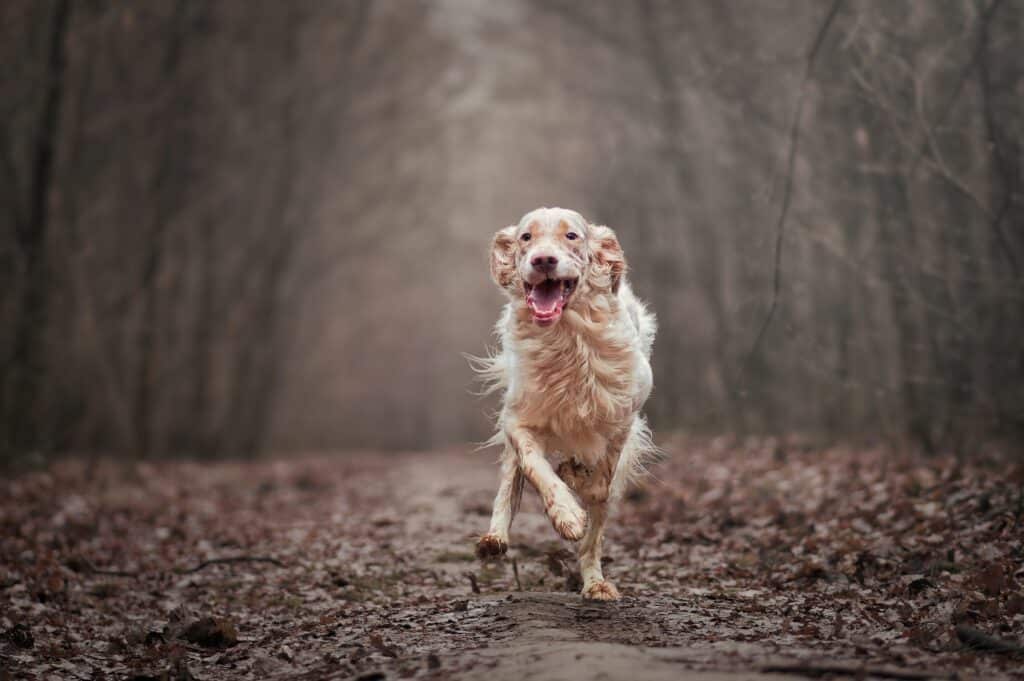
<point x="598" y="493"/>
<point x="595" y="586"/>
<point x="506" y="503"/>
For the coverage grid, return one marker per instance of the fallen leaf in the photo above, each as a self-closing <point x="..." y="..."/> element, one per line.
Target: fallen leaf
<point x="211" y="632"/>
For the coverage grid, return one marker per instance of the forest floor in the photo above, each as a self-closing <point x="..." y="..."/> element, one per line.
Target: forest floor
<point x="737" y="560"/>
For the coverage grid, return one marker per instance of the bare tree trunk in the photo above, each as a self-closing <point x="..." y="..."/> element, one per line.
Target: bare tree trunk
<point x="1004" y="353"/>
<point x="203" y="438"/>
<point x="260" y="360"/>
<point x="257" y="366"/>
<point x="894" y="219"/>
<point x="27" y="362"/>
<point x="166" y="188"/>
<point x="709" y="265"/>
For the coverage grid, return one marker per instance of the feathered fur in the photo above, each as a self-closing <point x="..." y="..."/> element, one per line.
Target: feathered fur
<point x="571" y="391"/>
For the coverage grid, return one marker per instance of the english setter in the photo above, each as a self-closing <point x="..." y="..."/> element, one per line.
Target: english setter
<point x="574" y="367"/>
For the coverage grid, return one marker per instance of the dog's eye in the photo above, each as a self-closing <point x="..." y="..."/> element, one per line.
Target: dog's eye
<point x="572" y="236"/>
<point x="525" y="236"/>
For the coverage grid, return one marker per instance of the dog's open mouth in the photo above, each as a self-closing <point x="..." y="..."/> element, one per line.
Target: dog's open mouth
<point x="547" y="299"/>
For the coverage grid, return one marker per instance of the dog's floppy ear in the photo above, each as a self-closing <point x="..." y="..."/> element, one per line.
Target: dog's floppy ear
<point x="503" y="257"/>
<point x="607" y="262"/>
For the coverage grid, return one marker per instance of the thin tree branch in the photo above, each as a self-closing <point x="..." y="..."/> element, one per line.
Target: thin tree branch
<point x="1002" y="166"/>
<point x="954" y="96"/>
<point x="794" y="142"/>
<point x="571" y="13"/>
<point x="231" y="560"/>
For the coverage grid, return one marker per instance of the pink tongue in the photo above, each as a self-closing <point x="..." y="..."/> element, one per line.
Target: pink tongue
<point x="546" y="296"/>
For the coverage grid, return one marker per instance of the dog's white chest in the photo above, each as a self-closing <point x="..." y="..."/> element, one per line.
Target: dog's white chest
<point x="578" y="396"/>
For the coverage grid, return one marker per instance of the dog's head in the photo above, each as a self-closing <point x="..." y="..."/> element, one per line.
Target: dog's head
<point x="554" y="258"/>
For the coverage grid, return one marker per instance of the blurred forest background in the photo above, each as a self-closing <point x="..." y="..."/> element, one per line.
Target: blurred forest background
<point x="237" y="226"/>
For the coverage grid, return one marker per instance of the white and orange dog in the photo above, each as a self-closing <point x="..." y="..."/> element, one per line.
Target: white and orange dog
<point x="574" y="368"/>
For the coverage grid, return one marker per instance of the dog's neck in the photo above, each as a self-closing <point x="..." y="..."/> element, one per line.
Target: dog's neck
<point x="576" y="374"/>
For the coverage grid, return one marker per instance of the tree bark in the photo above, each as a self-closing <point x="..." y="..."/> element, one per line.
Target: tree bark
<point x="27" y="362"/>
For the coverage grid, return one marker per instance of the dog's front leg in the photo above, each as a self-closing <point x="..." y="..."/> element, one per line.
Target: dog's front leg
<point x="506" y="503"/>
<point x="565" y="514"/>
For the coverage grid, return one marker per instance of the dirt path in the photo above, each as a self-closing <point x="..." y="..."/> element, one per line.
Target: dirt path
<point x="738" y="558"/>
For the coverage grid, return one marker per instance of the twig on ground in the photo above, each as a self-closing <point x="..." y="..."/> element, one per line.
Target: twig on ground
<point x="79" y="564"/>
<point x="472" y="582"/>
<point x="979" y="640"/>
<point x="231" y="559"/>
<point x="815" y="670"/>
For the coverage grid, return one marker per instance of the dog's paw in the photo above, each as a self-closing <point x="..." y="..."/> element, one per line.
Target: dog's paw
<point x="601" y="591"/>
<point x="491" y="546"/>
<point x="569" y="519"/>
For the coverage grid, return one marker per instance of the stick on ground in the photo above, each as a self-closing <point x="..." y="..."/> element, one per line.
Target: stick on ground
<point x="231" y="559"/>
<point x="823" y="670"/>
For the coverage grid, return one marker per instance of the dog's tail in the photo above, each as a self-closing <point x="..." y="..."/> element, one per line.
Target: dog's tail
<point x="637" y="454"/>
<point x="517" y="490"/>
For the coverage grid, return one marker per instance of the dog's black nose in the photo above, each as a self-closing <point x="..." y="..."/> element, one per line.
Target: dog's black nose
<point x="544" y="263"/>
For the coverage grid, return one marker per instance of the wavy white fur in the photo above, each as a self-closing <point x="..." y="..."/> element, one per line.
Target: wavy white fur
<point x="572" y="389"/>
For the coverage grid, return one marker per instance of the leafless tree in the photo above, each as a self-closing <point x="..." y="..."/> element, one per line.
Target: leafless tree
<point x="239" y="225"/>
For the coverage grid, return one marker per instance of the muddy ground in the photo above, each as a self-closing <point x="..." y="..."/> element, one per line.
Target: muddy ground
<point x="739" y="559"/>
